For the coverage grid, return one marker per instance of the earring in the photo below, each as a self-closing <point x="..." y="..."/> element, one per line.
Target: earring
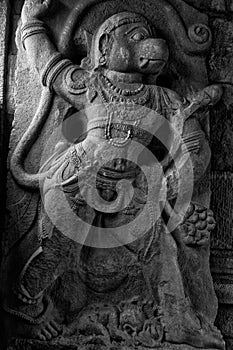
<point x="102" y="60"/>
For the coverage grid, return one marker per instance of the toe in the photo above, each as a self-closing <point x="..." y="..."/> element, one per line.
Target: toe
<point x="46" y="333"/>
<point x="41" y="337"/>
<point x="52" y="330"/>
<point x="56" y="326"/>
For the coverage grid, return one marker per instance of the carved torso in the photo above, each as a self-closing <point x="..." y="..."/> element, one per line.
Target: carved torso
<point x="120" y="125"/>
<point x="115" y="118"/>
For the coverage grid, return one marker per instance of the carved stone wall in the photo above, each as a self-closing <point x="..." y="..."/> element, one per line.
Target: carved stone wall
<point x="4" y="46"/>
<point x="9" y="17"/>
<point x="220" y="68"/>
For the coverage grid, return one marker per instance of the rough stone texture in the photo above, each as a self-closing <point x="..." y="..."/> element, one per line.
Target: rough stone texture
<point x="3" y="46"/>
<point x="220" y="69"/>
<point x="217" y="6"/>
<point x="4" y="123"/>
<point x="29" y="345"/>
<point x="4" y="42"/>
<point x="221" y="129"/>
<point x="12" y="58"/>
<point x="222" y="185"/>
<point x="17" y="7"/>
<point x="4" y="128"/>
<point x="221" y="61"/>
<point x="59" y="252"/>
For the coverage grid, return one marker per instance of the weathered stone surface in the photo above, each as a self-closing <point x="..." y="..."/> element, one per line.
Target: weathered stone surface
<point x="222" y="201"/>
<point x="62" y="345"/>
<point x="222" y="142"/>
<point x="17" y="7"/>
<point x="225" y="321"/>
<point x="186" y="71"/>
<point x="221" y="60"/>
<point x="4" y="13"/>
<point x="220" y="69"/>
<point x="209" y="5"/>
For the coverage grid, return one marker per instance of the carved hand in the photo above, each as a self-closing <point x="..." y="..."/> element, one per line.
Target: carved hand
<point x="209" y="96"/>
<point x="35" y="9"/>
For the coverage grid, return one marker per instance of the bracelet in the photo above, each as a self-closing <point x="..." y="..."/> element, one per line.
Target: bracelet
<point x="53" y="68"/>
<point x="55" y="58"/>
<point x="23" y="295"/>
<point x="56" y="71"/>
<point x="24" y="298"/>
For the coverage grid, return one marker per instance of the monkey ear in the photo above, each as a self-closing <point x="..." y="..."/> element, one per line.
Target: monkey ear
<point x="104" y="42"/>
<point x="88" y="37"/>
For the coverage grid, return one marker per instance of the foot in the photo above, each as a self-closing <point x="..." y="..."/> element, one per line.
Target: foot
<point x="48" y="330"/>
<point x="187" y="328"/>
<point x="34" y="321"/>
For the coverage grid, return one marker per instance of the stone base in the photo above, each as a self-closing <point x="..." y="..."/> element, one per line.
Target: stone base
<point x="71" y="344"/>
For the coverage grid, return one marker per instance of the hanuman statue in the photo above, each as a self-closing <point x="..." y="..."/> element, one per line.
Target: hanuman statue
<point x="142" y="263"/>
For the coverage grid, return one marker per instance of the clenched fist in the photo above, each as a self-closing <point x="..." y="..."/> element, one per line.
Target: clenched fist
<point x="35" y="9"/>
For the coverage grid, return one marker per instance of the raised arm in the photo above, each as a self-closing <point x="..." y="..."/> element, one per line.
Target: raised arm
<point x="56" y="72"/>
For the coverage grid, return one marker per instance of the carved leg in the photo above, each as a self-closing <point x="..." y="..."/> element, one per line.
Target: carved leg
<point x="29" y="302"/>
<point x="189" y="320"/>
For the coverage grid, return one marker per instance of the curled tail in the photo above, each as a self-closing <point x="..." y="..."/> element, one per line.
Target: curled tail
<point x="21" y="176"/>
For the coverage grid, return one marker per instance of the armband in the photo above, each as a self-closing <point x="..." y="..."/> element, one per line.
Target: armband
<point x="56" y="64"/>
<point x="32" y="28"/>
<point x="76" y="80"/>
<point x="191" y="142"/>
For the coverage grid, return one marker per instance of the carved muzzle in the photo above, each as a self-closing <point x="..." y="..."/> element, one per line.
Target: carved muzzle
<point x="152" y="55"/>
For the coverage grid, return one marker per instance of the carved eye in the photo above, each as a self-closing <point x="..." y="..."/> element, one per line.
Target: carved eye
<point x="138" y="36"/>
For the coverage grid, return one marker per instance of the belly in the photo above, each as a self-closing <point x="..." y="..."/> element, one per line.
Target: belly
<point x="109" y="165"/>
<point x="111" y="154"/>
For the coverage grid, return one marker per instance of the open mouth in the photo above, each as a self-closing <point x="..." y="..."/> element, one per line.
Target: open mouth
<point x="144" y="61"/>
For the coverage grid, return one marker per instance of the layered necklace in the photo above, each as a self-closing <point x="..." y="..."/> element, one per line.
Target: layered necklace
<point x="124" y="105"/>
<point x="139" y="96"/>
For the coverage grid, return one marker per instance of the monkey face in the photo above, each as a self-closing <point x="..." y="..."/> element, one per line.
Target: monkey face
<point x="134" y="50"/>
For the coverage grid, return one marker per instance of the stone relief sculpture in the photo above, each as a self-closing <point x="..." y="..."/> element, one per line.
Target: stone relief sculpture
<point x="142" y="270"/>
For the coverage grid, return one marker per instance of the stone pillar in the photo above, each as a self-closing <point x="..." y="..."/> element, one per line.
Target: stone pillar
<point x="220" y="68"/>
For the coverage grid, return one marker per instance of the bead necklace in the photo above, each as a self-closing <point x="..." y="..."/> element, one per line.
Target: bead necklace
<point x="122" y="107"/>
<point x="124" y="92"/>
<point x="139" y="96"/>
